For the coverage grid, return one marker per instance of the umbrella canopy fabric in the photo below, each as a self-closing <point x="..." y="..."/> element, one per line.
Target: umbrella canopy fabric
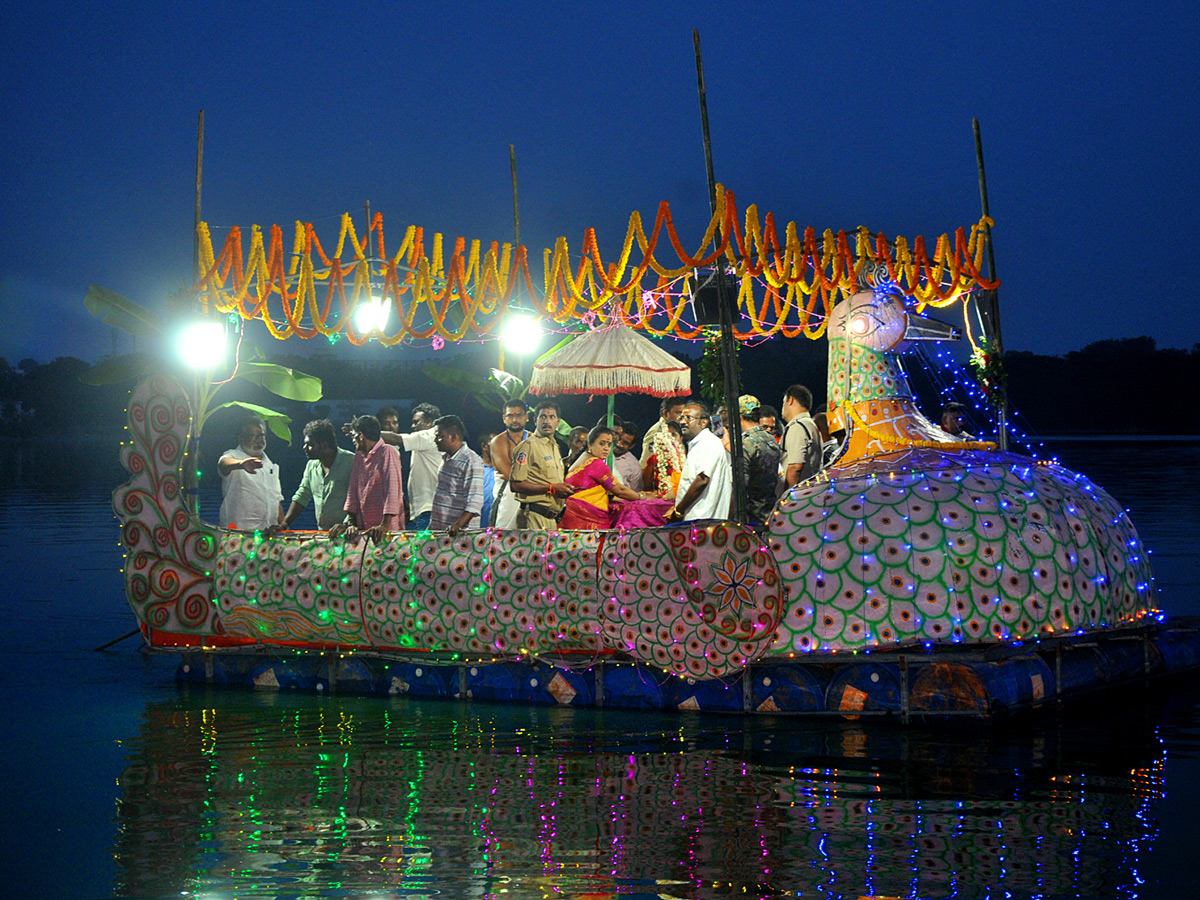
<point x="612" y="360"/>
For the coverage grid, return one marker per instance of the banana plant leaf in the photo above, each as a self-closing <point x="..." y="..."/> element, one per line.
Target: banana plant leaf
<point x="282" y="381"/>
<point x="276" y="421"/>
<point x="456" y="378"/>
<point x="121" y="312"/>
<point x="509" y="386"/>
<point x="485" y="391"/>
<point x="120" y="368"/>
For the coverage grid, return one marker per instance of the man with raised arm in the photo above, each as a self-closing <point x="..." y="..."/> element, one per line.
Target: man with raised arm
<point x="251" y="498"/>
<point x="423" y="465"/>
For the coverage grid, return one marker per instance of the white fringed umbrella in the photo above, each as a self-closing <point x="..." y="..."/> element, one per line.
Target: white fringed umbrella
<point x="609" y="361"/>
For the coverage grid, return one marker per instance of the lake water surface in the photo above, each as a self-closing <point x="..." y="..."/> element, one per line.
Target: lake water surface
<point x="118" y="783"/>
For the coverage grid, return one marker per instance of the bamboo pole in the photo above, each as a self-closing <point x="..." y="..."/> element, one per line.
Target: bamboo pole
<point x="191" y="483"/>
<point x="728" y="343"/>
<point x="512" y="162"/>
<point x="118" y="640"/>
<point x="512" y="165"/>
<point x="196" y="273"/>
<point x="992" y="303"/>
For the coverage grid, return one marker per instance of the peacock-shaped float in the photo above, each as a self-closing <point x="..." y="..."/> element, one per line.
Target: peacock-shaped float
<point x="918" y="575"/>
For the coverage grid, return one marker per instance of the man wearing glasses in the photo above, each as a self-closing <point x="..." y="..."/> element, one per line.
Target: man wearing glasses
<point x="706" y="484"/>
<point x="504" y="449"/>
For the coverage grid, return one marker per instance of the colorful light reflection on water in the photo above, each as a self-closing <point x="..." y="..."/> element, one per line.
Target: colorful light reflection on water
<point x="230" y="794"/>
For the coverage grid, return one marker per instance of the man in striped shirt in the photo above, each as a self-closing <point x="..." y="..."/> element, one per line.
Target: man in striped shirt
<point x="459" y="495"/>
<point x="375" y="498"/>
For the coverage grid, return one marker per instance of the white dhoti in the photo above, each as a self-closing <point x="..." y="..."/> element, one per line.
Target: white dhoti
<point x="506" y="506"/>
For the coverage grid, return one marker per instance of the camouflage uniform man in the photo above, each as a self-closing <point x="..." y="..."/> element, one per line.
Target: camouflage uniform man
<point x="762" y="456"/>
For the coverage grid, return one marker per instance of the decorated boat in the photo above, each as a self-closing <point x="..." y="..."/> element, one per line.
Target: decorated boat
<point x="918" y="575"/>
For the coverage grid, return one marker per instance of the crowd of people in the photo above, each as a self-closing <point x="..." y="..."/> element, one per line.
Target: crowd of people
<point x="532" y="479"/>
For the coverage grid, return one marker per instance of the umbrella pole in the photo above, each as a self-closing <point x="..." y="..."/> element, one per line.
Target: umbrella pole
<point x="612" y="455"/>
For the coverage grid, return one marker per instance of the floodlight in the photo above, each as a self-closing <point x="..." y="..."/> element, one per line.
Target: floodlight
<point x="371" y="315"/>
<point x="521" y="334"/>
<point x="201" y="345"/>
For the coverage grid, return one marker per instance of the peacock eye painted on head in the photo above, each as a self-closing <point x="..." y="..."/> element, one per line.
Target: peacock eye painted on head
<point x="874" y="319"/>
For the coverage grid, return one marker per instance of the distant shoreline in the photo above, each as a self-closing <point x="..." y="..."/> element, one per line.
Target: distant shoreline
<point x="1160" y="438"/>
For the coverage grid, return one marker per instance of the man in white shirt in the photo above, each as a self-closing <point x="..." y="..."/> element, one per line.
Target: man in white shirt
<point x="706" y="483"/>
<point x="251" y="496"/>
<point x="423" y="466"/>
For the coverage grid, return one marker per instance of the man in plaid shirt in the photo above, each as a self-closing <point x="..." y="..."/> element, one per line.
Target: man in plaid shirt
<point x="375" y="498"/>
<point x="459" y="495"/>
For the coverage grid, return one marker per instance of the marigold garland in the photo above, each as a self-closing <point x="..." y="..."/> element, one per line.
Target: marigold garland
<point x="466" y="296"/>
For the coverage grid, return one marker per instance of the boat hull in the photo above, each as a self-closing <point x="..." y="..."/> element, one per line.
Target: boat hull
<point x="703" y="615"/>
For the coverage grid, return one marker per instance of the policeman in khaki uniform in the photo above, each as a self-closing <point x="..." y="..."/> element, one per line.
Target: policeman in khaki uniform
<point x="537" y="473"/>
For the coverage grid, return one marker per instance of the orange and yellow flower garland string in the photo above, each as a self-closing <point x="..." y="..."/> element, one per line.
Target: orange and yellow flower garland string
<point x="468" y="296"/>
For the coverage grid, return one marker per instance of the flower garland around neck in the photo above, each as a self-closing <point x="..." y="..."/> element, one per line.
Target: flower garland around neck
<point x="668" y="455"/>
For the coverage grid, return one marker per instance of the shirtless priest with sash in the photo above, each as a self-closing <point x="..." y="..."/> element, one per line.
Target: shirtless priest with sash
<point x="504" y="450"/>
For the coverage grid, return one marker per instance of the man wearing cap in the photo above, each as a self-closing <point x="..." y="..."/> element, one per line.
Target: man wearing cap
<point x="761" y="455"/>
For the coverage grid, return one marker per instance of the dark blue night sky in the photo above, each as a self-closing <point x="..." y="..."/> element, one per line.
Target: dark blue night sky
<point x="829" y="115"/>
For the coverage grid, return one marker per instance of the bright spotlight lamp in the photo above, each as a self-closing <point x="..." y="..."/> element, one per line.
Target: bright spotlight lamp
<point x="371" y="315"/>
<point x="201" y="344"/>
<point x="521" y="334"/>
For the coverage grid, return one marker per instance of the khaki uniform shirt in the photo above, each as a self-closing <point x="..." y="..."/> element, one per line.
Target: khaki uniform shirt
<point x="537" y="459"/>
<point x="801" y="447"/>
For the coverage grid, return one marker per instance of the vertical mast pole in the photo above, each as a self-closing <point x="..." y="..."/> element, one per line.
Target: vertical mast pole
<point x="366" y="246"/>
<point x="196" y="273"/>
<point x="728" y="343"/>
<point x="991" y="305"/>
<point x="512" y="163"/>
<point x="190" y="472"/>
<point x="512" y="166"/>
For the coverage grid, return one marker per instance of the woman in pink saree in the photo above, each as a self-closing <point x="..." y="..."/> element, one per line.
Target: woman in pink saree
<point x="587" y="508"/>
